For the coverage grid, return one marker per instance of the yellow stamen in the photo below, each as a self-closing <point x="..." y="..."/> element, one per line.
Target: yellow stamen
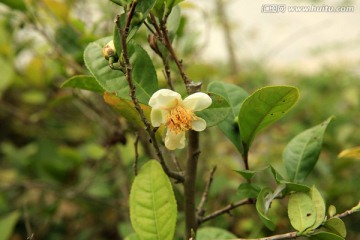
<point x="179" y="119"/>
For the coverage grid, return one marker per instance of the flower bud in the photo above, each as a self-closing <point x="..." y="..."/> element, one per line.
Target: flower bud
<point x="109" y="50"/>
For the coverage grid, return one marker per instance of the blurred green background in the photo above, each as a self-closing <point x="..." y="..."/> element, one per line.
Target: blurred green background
<point x="66" y="158"/>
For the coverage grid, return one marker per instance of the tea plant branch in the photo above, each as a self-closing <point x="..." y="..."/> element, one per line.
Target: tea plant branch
<point x="169" y="46"/>
<point x="225" y="209"/>
<point x="293" y="235"/>
<point x="200" y="208"/>
<point x="136" y="144"/>
<point x="191" y="222"/>
<point x="165" y="58"/>
<point x="123" y="33"/>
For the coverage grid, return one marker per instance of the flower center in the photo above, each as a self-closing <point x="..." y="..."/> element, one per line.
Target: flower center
<point x="179" y="119"/>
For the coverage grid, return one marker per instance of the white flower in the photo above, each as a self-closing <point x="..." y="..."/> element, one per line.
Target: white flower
<point x="178" y="115"/>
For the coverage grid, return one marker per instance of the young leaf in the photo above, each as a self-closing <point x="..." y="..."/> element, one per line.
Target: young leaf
<point x="249" y="174"/>
<point x="217" y="112"/>
<point x="319" y="206"/>
<point x="248" y="190"/>
<point x="331" y="211"/>
<point x="127" y="110"/>
<point x="337" y="226"/>
<point x="83" y="82"/>
<point x="213" y="233"/>
<point x="353" y="153"/>
<point x="262" y="209"/>
<point x="152" y="204"/>
<point x="264" y="107"/>
<point x="302" y="152"/>
<point x="290" y="186"/>
<point x="143" y="71"/>
<point x="325" y="236"/>
<point x="234" y="95"/>
<point x="301" y="211"/>
<point x="7" y="225"/>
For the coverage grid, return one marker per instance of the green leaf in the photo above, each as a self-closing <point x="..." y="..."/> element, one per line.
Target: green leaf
<point x="7" y="225"/>
<point x="132" y="236"/>
<point x="153" y="207"/>
<point x="264" y="107"/>
<point x="262" y="208"/>
<point x="302" y="152"/>
<point x="15" y="4"/>
<point x="336" y="226"/>
<point x="301" y="211"/>
<point x="213" y="233"/>
<point x="319" y="206"/>
<point x="248" y="190"/>
<point x="249" y="174"/>
<point x="172" y="3"/>
<point x="234" y="95"/>
<point x="143" y="71"/>
<point x="325" y="236"/>
<point x="290" y="186"/>
<point x="217" y="112"/>
<point x="85" y="82"/>
<point x="331" y="210"/>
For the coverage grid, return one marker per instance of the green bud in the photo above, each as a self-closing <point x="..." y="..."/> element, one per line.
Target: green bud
<point x="109" y="50"/>
<point x="331" y="211"/>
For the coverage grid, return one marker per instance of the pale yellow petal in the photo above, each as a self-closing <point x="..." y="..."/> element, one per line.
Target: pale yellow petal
<point x="198" y="125"/>
<point x="165" y="99"/>
<point x="197" y="101"/>
<point x="174" y="141"/>
<point x="158" y="116"/>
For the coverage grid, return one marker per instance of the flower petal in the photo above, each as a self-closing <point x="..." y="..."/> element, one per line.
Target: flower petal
<point x="157" y="116"/>
<point x="197" y="101"/>
<point x="165" y="99"/>
<point x="198" y="125"/>
<point x="173" y="140"/>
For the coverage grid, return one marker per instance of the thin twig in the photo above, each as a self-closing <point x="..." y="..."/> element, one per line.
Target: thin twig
<point x="200" y="208"/>
<point x="156" y="26"/>
<point x="167" y="72"/>
<point x="225" y="209"/>
<point x="132" y="91"/>
<point x="149" y="27"/>
<point x="169" y="46"/>
<point x="29" y="231"/>
<point x="175" y="161"/>
<point x="136" y="143"/>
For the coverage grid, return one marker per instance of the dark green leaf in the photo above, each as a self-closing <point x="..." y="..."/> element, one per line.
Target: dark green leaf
<point x="235" y="95"/>
<point x="261" y="208"/>
<point x="212" y="233"/>
<point x="325" y="236"/>
<point x="249" y="174"/>
<point x="248" y="190"/>
<point x="7" y="225"/>
<point x="336" y="226"/>
<point x="15" y="4"/>
<point x="290" y="186"/>
<point x="152" y="204"/>
<point x="83" y="82"/>
<point x="264" y="107"/>
<point x="319" y="206"/>
<point x="302" y="152"/>
<point x="217" y="112"/>
<point x="143" y="71"/>
<point x="301" y="211"/>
